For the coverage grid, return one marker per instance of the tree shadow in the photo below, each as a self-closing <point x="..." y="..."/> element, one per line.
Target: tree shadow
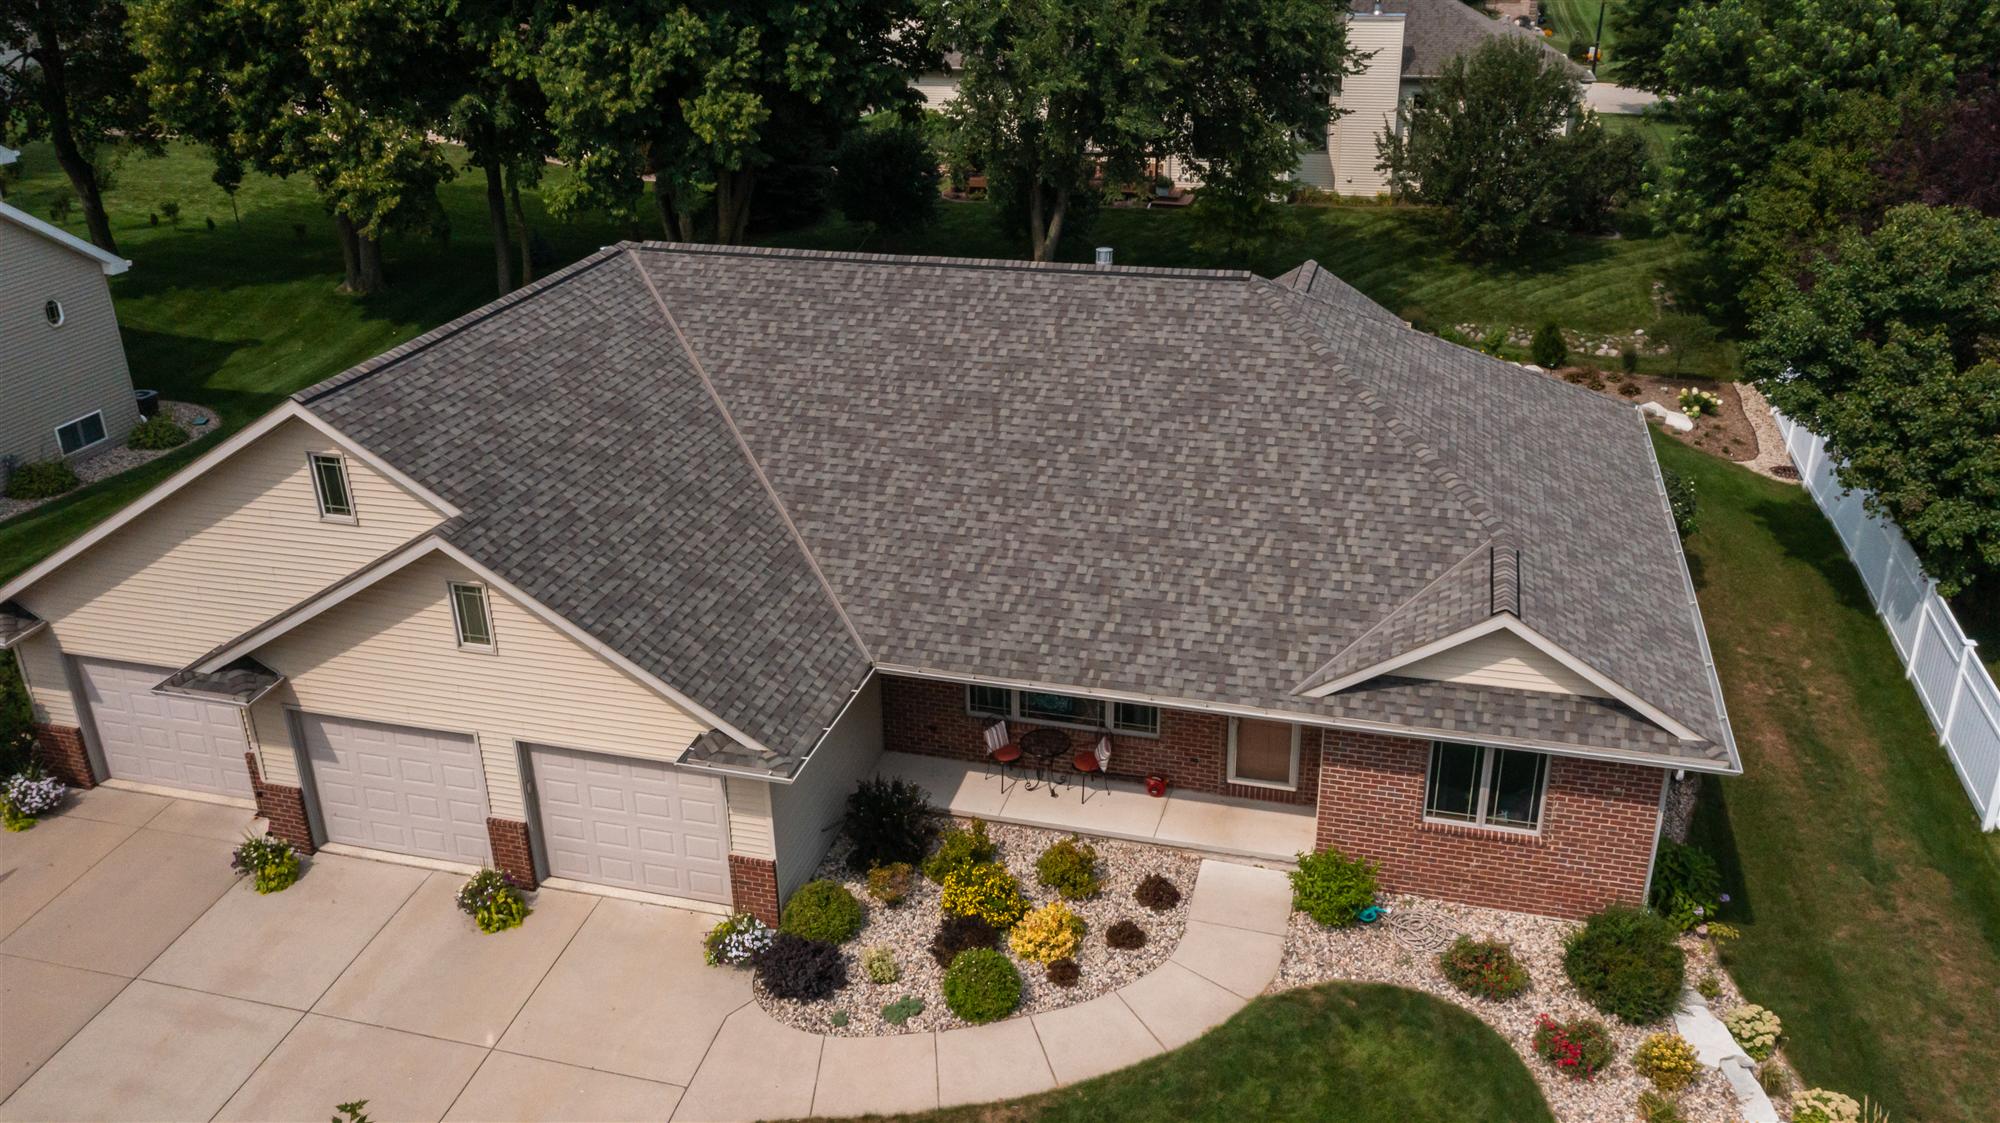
<point x="178" y="366"/>
<point x="1802" y="531"/>
<point x="1712" y="831"/>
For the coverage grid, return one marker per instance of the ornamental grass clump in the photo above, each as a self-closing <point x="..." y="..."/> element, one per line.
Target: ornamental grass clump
<point x="1047" y="934"/>
<point x="1820" y="1105"/>
<point x="1332" y="888"/>
<point x="1069" y="866"/>
<point x="1156" y="893"/>
<point x="27" y="796"/>
<point x="1626" y="963"/>
<point x="1667" y="1060"/>
<point x="962" y="847"/>
<point x="493" y="902"/>
<point x="736" y="941"/>
<point x="1754" y="1028"/>
<point x="1579" y="1049"/>
<point x="271" y="862"/>
<point x="822" y="910"/>
<point x="799" y="969"/>
<point x="1486" y="968"/>
<point x="982" y="986"/>
<point x="987" y="891"/>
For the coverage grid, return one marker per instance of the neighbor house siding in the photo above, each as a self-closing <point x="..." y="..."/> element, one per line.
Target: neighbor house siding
<point x="806" y="811"/>
<point x="50" y="376"/>
<point x="1369" y="101"/>
<point x="390" y="654"/>
<point x="1501" y="659"/>
<point x="937" y="87"/>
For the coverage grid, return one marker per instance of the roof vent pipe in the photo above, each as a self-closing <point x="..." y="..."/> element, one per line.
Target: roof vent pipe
<point x="1104" y="255"/>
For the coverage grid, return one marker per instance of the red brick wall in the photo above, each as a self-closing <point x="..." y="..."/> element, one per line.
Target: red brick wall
<point x="511" y="853"/>
<point x="1192" y="751"/>
<point x="282" y="807"/>
<point x="1595" y="846"/>
<point x="753" y="887"/>
<point x="59" y="749"/>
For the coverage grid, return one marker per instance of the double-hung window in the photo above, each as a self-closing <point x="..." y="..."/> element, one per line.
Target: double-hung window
<point x="469" y="616"/>
<point x="81" y="433"/>
<point x="329" y="473"/>
<point x="1486" y="786"/>
<point x="1063" y="709"/>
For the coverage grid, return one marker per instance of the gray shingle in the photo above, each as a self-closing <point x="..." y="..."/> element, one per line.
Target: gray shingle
<point x="1437" y="31"/>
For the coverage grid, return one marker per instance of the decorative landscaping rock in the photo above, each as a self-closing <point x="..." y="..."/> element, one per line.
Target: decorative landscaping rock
<point x="1675" y="420"/>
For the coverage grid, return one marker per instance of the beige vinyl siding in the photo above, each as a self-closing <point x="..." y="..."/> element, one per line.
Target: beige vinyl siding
<point x="750" y="831"/>
<point x="1502" y="659"/>
<point x="1370" y="99"/>
<point x="50" y="376"/>
<point x="1316" y="167"/>
<point x="805" y="811"/>
<point x="41" y="664"/>
<point x="937" y="87"/>
<point x="390" y="654"/>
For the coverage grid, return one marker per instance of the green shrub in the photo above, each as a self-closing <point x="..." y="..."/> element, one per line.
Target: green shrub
<point x="157" y="432"/>
<point x="960" y="933"/>
<point x="902" y="1010"/>
<point x="891" y="883"/>
<point x="962" y="847"/>
<point x="1332" y="888"/>
<point x="1687" y="885"/>
<point x="879" y="963"/>
<point x="982" y="986"/>
<point x="824" y="911"/>
<point x="887" y="821"/>
<point x="1548" y="349"/>
<point x="1628" y="359"/>
<point x="1069" y="866"/>
<point x="492" y="901"/>
<point x="986" y="891"/>
<point x="1681" y="501"/>
<point x="41" y="481"/>
<point x="1486" y="968"/>
<point x="270" y="861"/>
<point x="800" y="969"/>
<point x="1625" y="963"/>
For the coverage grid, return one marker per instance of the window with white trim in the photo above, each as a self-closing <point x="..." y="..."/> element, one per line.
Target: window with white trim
<point x="1263" y="754"/>
<point x="469" y="615"/>
<point x="329" y="473"/>
<point x="1486" y="786"/>
<point x="81" y="433"/>
<point x="1127" y="717"/>
<point x="1063" y="709"/>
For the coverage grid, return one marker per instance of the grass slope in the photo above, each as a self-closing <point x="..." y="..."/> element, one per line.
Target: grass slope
<point x="1338" y="1053"/>
<point x="1575" y="21"/>
<point x="1868" y="899"/>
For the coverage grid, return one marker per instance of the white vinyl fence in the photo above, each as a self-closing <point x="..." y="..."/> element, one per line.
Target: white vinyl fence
<point x="1955" y="687"/>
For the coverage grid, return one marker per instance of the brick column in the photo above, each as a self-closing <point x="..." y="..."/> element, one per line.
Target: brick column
<point x="282" y="807"/>
<point x="59" y="750"/>
<point x="511" y="853"/>
<point x="753" y="887"/>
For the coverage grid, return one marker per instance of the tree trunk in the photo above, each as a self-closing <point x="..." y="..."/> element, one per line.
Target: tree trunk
<point x="732" y="205"/>
<point x="82" y="174"/>
<point x="674" y="219"/>
<point x="371" y="265"/>
<point x="496" y="213"/>
<point x="1035" y="222"/>
<point x="1054" y="237"/>
<point x="350" y="253"/>
<point x="526" y="236"/>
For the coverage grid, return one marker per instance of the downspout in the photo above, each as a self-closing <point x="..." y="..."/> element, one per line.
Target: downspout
<point x="1659" y="825"/>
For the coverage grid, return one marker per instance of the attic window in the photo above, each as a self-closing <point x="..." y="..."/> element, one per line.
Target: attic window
<point x="336" y="499"/>
<point x="53" y="312"/>
<point x="468" y="614"/>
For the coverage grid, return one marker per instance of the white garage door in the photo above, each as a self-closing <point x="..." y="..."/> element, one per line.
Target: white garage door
<point x="392" y="787"/>
<point x="637" y="824"/>
<point x="161" y="739"/>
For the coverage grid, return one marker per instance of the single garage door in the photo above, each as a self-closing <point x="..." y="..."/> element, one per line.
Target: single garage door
<point x="161" y="739"/>
<point x="394" y="787"/>
<point x="636" y="824"/>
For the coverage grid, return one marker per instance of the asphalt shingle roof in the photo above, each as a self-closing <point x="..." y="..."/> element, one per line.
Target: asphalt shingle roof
<point x="1187" y="485"/>
<point x="1437" y="31"/>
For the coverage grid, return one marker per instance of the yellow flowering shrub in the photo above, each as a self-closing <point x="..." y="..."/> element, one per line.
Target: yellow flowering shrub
<point x="984" y="890"/>
<point x="1047" y="934"/>
<point x="1667" y="1060"/>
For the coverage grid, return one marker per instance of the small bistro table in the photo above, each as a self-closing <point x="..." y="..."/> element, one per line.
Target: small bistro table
<point x="1045" y="747"/>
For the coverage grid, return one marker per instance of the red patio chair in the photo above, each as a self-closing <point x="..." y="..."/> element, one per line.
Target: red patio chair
<point x="1001" y="750"/>
<point x="1096" y="763"/>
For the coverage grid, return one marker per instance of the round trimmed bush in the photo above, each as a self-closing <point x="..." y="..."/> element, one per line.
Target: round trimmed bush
<point x="1626" y="963"/>
<point x="157" y="432"/>
<point x="1069" y="866"/>
<point x="982" y="986"/>
<point x="822" y="910"/>
<point x="1578" y="1049"/>
<point x="1486" y="968"/>
<point x="1332" y="888"/>
<point x="961" y="933"/>
<point x="1667" y="1060"/>
<point x="1065" y="972"/>
<point x="800" y="969"/>
<point x="1157" y="893"/>
<point x="1125" y="936"/>
<point x="985" y="890"/>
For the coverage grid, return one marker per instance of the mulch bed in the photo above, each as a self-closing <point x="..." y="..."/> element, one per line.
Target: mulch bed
<point x="1727" y="434"/>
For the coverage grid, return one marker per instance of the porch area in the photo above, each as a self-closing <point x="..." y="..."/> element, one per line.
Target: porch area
<point x="1197" y="821"/>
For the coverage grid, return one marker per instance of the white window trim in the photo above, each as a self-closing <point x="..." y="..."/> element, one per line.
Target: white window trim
<point x="319" y="491"/>
<point x="1014" y="712"/>
<point x="1290" y="786"/>
<point x="99" y="415"/>
<point x="1490" y="754"/>
<point x="451" y="589"/>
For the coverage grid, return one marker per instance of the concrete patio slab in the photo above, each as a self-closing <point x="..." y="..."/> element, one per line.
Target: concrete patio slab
<point x="1237" y="959"/>
<point x="756" y="1069"/>
<point x="991" y="1062"/>
<point x="43" y="1006"/>
<point x="431" y="970"/>
<point x="1205" y="822"/>
<point x="1179" y="1005"/>
<point x="1242" y="897"/>
<point x="111" y="805"/>
<point x="155" y="1052"/>
<point x="877" y="1075"/>
<point x="631" y="995"/>
<point x="962" y="788"/>
<point x="1093" y="1038"/>
<point x="287" y="948"/>
<point x="510" y="1088"/>
<point x="166" y="879"/>
<point x="325" y="1061"/>
<point x="38" y="863"/>
<point x="1118" y="810"/>
<point x="207" y="820"/>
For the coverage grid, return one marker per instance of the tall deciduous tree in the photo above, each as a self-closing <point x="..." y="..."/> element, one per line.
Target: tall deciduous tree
<point x="1890" y="349"/>
<point x="1642" y="29"/>
<point x="67" y="76"/>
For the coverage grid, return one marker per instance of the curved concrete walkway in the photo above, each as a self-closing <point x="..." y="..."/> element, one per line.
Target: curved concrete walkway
<point x="758" y="1068"/>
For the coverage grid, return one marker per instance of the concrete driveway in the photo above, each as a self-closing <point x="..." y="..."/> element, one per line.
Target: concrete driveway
<point x="141" y="979"/>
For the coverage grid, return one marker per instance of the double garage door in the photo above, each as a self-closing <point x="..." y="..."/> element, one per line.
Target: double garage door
<point x="161" y="739"/>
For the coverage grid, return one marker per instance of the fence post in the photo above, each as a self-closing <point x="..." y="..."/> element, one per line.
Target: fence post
<point x="1957" y="690"/>
<point x="1923" y="620"/>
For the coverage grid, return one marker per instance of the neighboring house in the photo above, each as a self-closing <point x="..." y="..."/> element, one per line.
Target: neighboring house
<point x="64" y="387"/>
<point x="1405" y="43"/>
<point x="629" y="577"/>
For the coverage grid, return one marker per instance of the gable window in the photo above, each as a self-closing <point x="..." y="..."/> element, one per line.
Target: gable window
<point x="469" y="615"/>
<point x="53" y="313"/>
<point x="1062" y="709"/>
<point x="1263" y="754"/>
<point x="81" y="433"/>
<point x="329" y="473"/>
<point x="1485" y="786"/>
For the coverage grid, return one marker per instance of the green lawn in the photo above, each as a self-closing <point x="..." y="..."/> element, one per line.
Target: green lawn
<point x="1575" y="21"/>
<point x="1339" y="1053"/>
<point x="1868" y="899"/>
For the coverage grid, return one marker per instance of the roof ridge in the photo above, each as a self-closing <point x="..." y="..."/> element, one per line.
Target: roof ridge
<point x="749" y="455"/>
<point x="991" y="263"/>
